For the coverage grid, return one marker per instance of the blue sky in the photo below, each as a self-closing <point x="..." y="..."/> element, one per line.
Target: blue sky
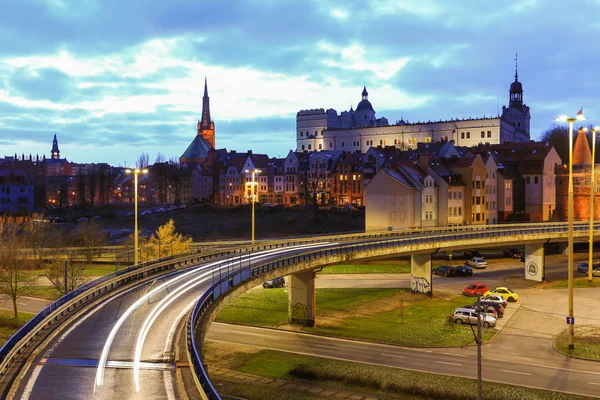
<point x="115" y="78"/>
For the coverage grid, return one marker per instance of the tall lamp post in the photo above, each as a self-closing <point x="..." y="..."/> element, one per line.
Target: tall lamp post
<point x="254" y="183"/>
<point x="135" y="173"/>
<point x="592" y="189"/>
<point x="563" y="118"/>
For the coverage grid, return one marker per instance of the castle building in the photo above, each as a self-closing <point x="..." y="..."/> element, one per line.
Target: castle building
<point x="197" y="151"/>
<point x="359" y="129"/>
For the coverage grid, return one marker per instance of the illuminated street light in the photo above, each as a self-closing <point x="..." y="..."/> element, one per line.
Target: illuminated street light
<point x="592" y="192"/>
<point x="135" y="173"/>
<point x="253" y="184"/>
<point x="564" y="118"/>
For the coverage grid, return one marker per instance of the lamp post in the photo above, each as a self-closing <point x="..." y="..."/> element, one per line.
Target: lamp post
<point x="564" y="118"/>
<point x="254" y="172"/>
<point x="135" y="173"/>
<point x="592" y="188"/>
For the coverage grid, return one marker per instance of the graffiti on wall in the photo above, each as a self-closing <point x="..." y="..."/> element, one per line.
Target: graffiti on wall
<point x="420" y="284"/>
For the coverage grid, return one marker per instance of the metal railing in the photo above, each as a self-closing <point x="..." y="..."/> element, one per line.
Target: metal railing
<point x="243" y="275"/>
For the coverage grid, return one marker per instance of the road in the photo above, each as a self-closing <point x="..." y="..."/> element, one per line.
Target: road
<point x="31" y="305"/>
<point x="553" y="373"/>
<point x="123" y="347"/>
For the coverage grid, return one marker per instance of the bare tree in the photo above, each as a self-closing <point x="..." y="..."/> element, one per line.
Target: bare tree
<point x="14" y="279"/>
<point x="160" y="158"/>
<point x="37" y="234"/>
<point x="89" y="236"/>
<point x="56" y="274"/>
<point x="143" y="160"/>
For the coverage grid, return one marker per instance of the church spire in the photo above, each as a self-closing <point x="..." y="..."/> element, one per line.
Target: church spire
<point x="55" y="153"/>
<point x="516" y="90"/>
<point x="516" y="68"/>
<point x="205" y="121"/>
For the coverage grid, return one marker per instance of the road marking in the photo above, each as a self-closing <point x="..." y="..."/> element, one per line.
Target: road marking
<point x="327" y="347"/>
<point x="455" y="355"/>
<point x="449" y="363"/>
<point x="416" y="349"/>
<point x="392" y="355"/>
<point x="515" y="372"/>
<point x="594" y="383"/>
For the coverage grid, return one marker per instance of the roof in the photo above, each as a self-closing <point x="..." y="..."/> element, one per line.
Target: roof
<point x="197" y="149"/>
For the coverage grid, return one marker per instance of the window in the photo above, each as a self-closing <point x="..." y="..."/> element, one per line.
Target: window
<point x="393" y="215"/>
<point x="392" y="199"/>
<point x="320" y="146"/>
<point x="489" y="133"/>
<point x="462" y="135"/>
<point x="302" y="147"/>
<point x="507" y="185"/>
<point x="460" y="211"/>
<point x="301" y="133"/>
<point x="342" y="144"/>
<point x="468" y="135"/>
<point x="309" y="146"/>
<point x="330" y="145"/>
<point x="535" y="180"/>
<point x="460" y="195"/>
<point x="482" y="134"/>
<point x="315" y="133"/>
<point x="528" y="180"/>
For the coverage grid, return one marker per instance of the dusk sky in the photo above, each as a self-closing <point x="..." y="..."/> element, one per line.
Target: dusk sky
<point x="115" y="78"/>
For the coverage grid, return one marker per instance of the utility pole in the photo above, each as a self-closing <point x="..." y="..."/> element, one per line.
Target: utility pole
<point x="65" y="277"/>
<point x="479" y="322"/>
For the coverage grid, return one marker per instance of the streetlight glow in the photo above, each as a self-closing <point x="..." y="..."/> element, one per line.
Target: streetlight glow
<point x="253" y="183"/>
<point x="135" y="173"/>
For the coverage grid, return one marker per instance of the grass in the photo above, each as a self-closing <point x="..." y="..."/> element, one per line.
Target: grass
<point x="43" y="292"/>
<point x="365" y="314"/>
<point x="381" y="381"/>
<point x="8" y="325"/>
<point x="587" y="342"/>
<point x="99" y="269"/>
<point x="400" y="268"/>
<point x="262" y="392"/>
<point x="577" y="283"/>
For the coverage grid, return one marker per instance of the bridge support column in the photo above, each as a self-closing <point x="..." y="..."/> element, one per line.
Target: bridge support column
<point x="420" y="274"/>
<point x="302" y="299"/>
<point x="535" y="266"/>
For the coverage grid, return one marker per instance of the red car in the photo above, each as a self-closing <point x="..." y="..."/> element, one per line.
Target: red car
<point x="475" y="288"/>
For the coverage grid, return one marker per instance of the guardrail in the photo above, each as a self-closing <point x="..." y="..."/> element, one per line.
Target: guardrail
<point x="221" y="287"/>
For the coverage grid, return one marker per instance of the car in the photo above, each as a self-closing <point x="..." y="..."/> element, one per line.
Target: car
<point x="160" y="210"/>
<point x="445" y="270"/>
<point x="146" y="213"/>
<point x="505" y="292"/>
<point x="267" y="205"/>
<point x="495" y="298"/>
<point x="334" y="207"/>
<point x="172" y="208"/>
<point x="512" y="253"/>
<point x="83" y="219"/>
<point x="472" y="253"/>
<point x="499" y="309"/>
<point x="583" y="267"/>
<point x="347" y="207"/>
<point x="477" y="262"/>
<point x="488" y="310"/>
<point x="469" y="316"/>
<point x="274" y="283"/>
<point x="463" y="270"/>
<point x="596" y="272"/>
<point x="182" y="205"/>
<point x="96" y="218"/>
<point x="475" y="288"/>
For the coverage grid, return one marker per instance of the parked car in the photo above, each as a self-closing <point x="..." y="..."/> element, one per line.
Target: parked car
<point x="267" y="205"/>
<point x="596" y="272"/>
<point x="82" y="219"/>
<point x="274" y="283"/>
<point x="512" y="253"/>
<point x="347" y="207"/>
<point x="469" y="316"/>
<point x="182" y="205"/>
<point x="172" y="208"/>
<point x="472" y="253"/>
<point x="160" y="210"/>
<point x="505" y="292"/>
<point x="499" y="309"/>
<point x="583" y="267"/>
<point x="488" y="310"/>
<point x="146" y="213"/>
<point x="463" y="270"/>
<point x="495" y="298"/>
<point x="477" y="262"/>
<point x="475" y="288"/>
<point x="445" y="270"/>
<point x="96" y="218"/>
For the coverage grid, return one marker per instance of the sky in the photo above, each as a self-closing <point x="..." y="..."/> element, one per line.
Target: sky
<point x="117" y="78"/>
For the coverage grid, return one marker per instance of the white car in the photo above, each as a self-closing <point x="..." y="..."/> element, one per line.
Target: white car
<point x="495" y="298"/>
<point x="477" y="262"/>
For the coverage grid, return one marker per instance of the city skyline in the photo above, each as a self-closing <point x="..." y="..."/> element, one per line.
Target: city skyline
<point x="113" y="81"/>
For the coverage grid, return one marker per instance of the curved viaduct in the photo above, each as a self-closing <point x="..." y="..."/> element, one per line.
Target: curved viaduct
<point x="117" y="336"/>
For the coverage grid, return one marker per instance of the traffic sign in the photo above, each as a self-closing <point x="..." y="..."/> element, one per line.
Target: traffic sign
<point x="570" y="320"/>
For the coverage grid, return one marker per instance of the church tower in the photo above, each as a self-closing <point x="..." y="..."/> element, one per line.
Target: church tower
<point x="206" y="127"/>
<point x="517" y="113"/>
<point x="55" y="153"/>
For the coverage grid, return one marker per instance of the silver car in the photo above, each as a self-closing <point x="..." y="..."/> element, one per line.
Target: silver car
<point x="469" y="316"/>
<point x="477" y="262"/>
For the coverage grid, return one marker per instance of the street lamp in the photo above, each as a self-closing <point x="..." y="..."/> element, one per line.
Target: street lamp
<point x="563" y="118"/>
<point x="135" y="173"/>
<point x="592" y="189"/>
<point x="253" y="183"/>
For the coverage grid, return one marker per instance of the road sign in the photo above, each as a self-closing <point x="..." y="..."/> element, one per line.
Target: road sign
<point x="570" y="320"/>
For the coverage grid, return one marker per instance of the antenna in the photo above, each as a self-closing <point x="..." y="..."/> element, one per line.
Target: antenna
<point x="498" y="105"/>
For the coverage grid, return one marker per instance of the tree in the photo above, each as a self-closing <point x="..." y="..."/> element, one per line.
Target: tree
<point x="14" y="279"/>
<point x="89" y="236"/>
<point x="143" y="160"/>
<point x="165" y="242"/>
<point x="81" y="190"/>
<point x="56" y="274"/>
<point x="558" y="137"/>
<point x="37" y="234"/>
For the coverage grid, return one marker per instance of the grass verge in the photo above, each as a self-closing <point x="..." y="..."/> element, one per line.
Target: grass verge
<point x="390" y="382"/>
<point x="587" y="342"/>
<point x="43" y="292"/>
<point x="577" y="283"/>
<point x="397" y="268"/>
<point x="9" y="326"/>
<point x="381" y="315"/>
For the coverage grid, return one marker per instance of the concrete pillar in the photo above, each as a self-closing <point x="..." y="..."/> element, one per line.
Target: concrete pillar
<point x="420" y="274"/>
<point x="535" y="267"/>
<point x="302" y="307"/>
